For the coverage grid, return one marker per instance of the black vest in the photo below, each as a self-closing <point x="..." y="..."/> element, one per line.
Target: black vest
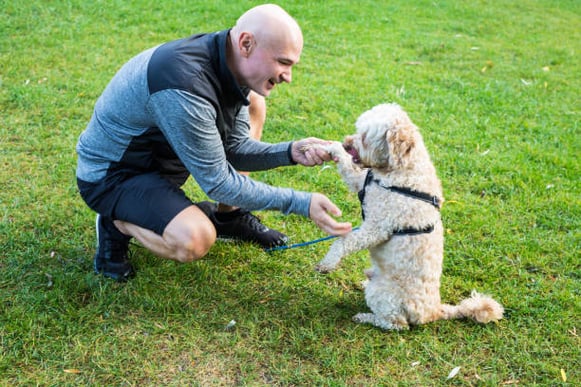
<point x="197" y="64"/>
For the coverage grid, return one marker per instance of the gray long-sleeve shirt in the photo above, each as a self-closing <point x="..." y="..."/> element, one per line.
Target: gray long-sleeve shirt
<point x="177" y="109"/>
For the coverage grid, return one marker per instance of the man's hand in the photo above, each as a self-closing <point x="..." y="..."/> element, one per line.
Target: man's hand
<point x="307" y="153"/>
<point x="319" y="212"/>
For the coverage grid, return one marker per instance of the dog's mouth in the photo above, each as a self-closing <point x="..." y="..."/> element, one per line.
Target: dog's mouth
<point x="353" y="152"/>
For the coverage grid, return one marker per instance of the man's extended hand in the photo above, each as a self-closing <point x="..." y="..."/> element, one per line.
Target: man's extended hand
<point x="319" y="212"/>
<point x="305" y="152"/>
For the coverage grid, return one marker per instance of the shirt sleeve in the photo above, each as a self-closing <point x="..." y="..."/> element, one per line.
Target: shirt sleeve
<point x="189" y="124"/>
<point x="247" y="154"/>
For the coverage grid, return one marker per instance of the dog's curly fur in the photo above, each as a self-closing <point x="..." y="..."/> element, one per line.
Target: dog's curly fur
<point x="403" y="285"/>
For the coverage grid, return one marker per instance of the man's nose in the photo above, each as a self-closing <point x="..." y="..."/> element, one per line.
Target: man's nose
<point x="286" y="76"/>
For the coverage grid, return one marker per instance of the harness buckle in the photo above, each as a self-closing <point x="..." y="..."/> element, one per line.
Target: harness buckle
<point x="436" y="201"/>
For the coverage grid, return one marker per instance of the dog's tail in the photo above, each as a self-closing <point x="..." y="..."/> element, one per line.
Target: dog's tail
<point x="479" y="307"/>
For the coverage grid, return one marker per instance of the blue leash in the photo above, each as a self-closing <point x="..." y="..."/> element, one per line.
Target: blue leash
<point x="286" y="247"/>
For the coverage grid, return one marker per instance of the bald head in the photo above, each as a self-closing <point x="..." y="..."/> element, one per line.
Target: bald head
<point x="264" y="45"/>
<point x="270" y="25"/>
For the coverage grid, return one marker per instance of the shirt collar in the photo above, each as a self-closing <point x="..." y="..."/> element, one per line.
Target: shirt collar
<point x="229" y="83"/>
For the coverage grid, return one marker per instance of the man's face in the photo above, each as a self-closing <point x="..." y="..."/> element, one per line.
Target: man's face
<point x="266" y="66"/>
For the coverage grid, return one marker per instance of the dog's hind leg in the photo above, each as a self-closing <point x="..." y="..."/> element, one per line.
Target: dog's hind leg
<point x="383" y="323"/>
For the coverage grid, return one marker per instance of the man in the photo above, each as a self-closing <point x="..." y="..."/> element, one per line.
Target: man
<point x="182" y="108"/>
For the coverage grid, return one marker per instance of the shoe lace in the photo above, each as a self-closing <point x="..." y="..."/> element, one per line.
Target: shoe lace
<point x="252" y="221"/>
<point x="117" y="249"/>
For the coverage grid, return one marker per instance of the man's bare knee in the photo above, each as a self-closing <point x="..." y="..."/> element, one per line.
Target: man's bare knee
<point x="257" y="111"/>
<point x="190" y="235"/>
<point x="196" y="246"/>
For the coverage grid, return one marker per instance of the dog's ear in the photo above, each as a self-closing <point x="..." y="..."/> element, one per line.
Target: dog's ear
<point x="401" y="142"/>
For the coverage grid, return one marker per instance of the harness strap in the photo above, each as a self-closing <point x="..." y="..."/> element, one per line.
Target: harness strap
<point x="431" y="199"/>
<point x="414" y="231"/>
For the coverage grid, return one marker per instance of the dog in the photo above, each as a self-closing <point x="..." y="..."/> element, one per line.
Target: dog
<point x="387" y="163"/>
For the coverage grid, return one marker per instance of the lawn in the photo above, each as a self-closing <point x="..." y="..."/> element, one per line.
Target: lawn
<point x="494" y="87"/>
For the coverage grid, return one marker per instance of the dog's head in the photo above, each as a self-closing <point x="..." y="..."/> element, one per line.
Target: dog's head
<point x="384" y="140"/>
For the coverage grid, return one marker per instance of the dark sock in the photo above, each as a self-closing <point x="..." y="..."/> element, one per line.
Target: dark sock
<point x="113" y="231"/>
<point x="227" y="216"/>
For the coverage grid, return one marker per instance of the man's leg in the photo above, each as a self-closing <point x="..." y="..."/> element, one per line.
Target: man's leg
<point x="154" y="211"/>
<point x="186" y="238"/>
<point x="234" y="223"/>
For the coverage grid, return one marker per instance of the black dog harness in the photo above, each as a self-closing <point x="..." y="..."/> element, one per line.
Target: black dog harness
<point x="433" y="200"/>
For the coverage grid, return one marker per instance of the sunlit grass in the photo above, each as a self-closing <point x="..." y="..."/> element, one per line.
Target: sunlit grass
<point x="494" y="87"/>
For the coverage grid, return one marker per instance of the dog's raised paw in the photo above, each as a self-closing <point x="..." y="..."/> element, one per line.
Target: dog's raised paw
<point x="335" y="148"/>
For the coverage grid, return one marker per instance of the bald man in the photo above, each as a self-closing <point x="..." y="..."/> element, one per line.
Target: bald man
<point x="195" y="107"/>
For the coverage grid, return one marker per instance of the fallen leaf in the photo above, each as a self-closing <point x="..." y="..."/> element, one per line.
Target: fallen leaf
<point x="546" y="68"/>
<point x="49" y="280"/>
<point x="230" y="325"/>
<point x="489" y="65"/>
<point x="415" y="363"/>
<point x="454" y="372"/>
<point x="563" y="375"/>
<point x="72" y="371"/>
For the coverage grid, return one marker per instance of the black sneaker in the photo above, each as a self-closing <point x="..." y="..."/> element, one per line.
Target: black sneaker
<point x="243" y="226"/>
<point x="111" y="257"/>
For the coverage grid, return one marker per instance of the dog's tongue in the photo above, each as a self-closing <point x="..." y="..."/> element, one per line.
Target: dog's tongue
<point x="353" y="152"/>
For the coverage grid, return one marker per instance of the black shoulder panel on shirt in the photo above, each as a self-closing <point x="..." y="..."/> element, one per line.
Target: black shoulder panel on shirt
<point x="175" y="64"/>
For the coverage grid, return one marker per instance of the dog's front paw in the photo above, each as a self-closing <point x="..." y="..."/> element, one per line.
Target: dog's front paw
<point x="329" y="263"/>
<point x="335" y="149"/>
<point x="324" y="269"/>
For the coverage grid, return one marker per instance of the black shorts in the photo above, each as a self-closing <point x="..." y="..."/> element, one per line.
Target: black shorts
<point x="149" y="200"/>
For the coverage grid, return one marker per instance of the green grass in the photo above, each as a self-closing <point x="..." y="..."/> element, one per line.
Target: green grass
<point x="494" y="86"/>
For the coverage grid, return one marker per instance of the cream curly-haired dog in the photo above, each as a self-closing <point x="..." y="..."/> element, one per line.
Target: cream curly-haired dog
<point x="387" y="163"/>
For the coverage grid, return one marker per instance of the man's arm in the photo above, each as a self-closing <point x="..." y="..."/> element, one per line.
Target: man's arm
<point x="188" y="123"/>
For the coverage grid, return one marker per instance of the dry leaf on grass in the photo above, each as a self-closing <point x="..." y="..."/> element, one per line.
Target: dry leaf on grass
<point x="453" y="373"/>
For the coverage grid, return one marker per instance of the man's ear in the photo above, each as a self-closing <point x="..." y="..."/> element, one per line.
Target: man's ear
<point x="246" y="43"/>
